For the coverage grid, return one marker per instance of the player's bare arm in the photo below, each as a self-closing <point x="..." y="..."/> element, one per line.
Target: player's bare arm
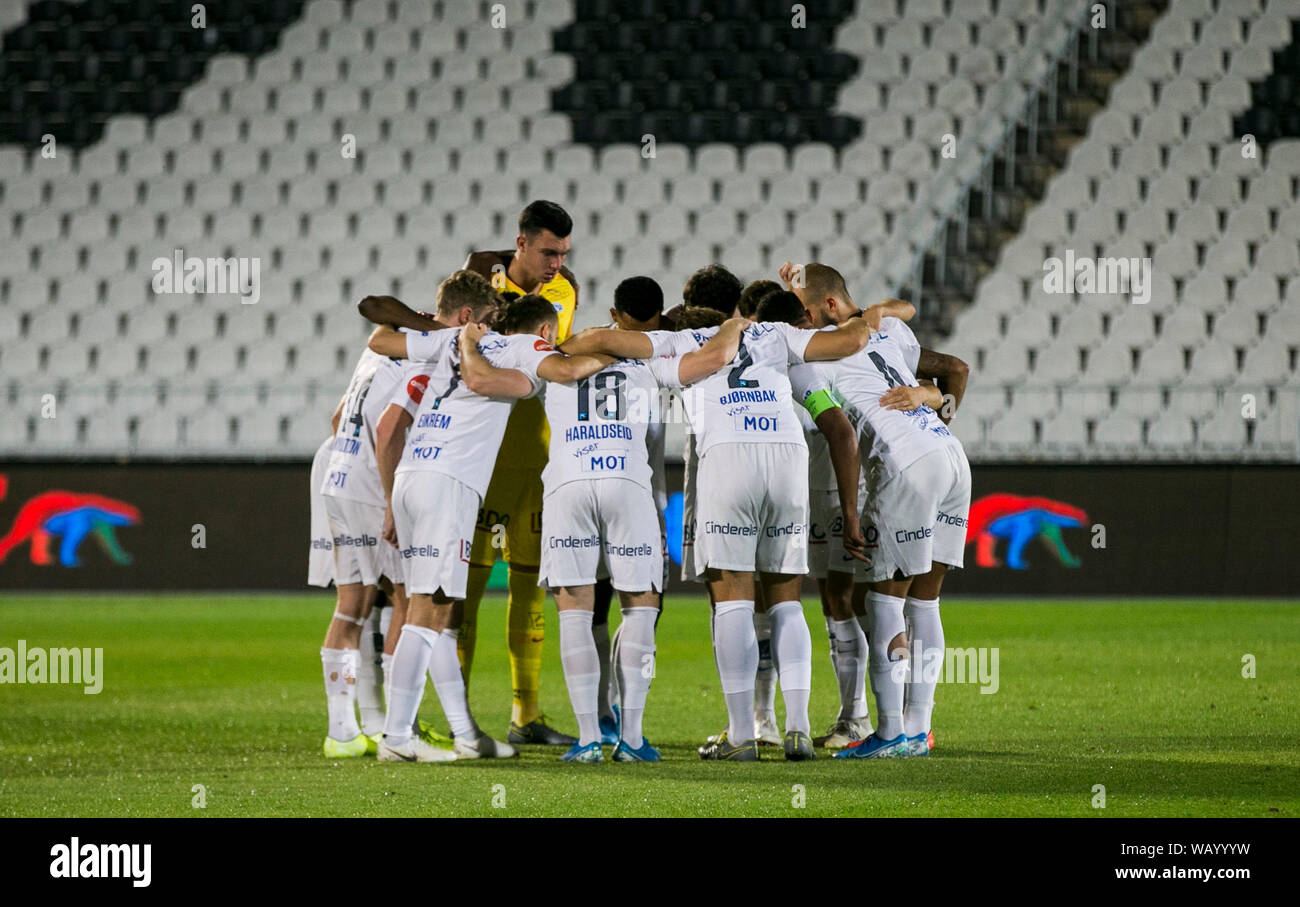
<point x="889" y="308"/>
<point x="481" y="376"/>
<point x="387" y="341"/>
<point x="395" y="313"/>
<point x="846" y="460"/>
<point x="390" y="437"/>
<point x="567" y="369"/>
<point x="611" y="342"/>
<point x="847" y="339"/>
<point x="910" y="398"/>
<point x="720" y="350"/>
<point x="949" y="374"/>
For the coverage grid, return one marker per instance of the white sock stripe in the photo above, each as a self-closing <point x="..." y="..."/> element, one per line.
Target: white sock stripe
<point x="355" y="621"/>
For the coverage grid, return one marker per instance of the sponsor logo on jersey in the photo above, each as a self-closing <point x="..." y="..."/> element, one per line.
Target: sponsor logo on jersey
<point x="606" y="463"/>
<point x="913" y="535"/>
<point x="540" y="343"/>
<point x="322" y="544"/>
<point x="420" y="551"/>
<point x="775" y="532"/>
<point x="425" y="453"/>
<point x="490" y="519"/>
<point x="755" y="422"/>
<point x="416" y="386"/>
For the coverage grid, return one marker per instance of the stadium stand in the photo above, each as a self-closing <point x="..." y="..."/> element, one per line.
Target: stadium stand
<point x="456" y="124"/>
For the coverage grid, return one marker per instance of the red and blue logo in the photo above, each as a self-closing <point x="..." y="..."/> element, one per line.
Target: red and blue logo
<point x="1019" y="520"/>
<point x="63" y="520"/>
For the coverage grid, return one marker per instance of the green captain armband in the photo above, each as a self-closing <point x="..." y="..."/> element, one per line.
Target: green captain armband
<point x="818" y="402"/>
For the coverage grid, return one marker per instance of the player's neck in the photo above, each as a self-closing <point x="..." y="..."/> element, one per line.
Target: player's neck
<point x="524" y="281"/>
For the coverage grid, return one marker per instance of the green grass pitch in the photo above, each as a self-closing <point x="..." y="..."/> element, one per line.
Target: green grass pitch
<point x="1144" y="697"/>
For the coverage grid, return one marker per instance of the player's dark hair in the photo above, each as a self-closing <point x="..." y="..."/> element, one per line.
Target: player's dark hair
<point x="822" y="281"/>
<point x="543" y="215"/>
<point x="781" y="306"/>
<point x="525" y="315"/>
<point x="755" y="293"/>
<point x="694" y="317"/>
<point x="639" y="298"/>
<point x="713" y="287"/>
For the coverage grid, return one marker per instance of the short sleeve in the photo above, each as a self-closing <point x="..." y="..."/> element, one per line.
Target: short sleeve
<point x="907" y="342"/>
<point x="410" y="389"/>
<point x="664" y="369"/>
<point x="796" y="340"/>
<point x="812" y="388"/>
<point x="674" y="343"/>
<point x="524" y="353"/>
<point x="424" y="346"/>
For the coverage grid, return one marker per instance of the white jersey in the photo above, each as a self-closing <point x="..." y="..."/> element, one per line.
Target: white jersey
<point x="599" y="425"/>
<point x="806" y="381"/>
<point x="457" y="432"/>
<point x="747" y="401"/>
<point x="897" y="438"/>
<point x="353" y="472"/>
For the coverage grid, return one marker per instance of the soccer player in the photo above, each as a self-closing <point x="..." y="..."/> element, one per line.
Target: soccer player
<point x="753" y="294"/>
<point x="754" y="467"/>
<point x="598" y="508"/>
<point x="513" y="499"/>
<point x="824" y="425"/>
<point x="434" y="487"/>
<point x="913" y="526"/>
<point x="638" y="306"/>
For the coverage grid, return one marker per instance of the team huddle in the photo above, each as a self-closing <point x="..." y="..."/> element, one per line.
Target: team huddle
<point x="486" y="430"/>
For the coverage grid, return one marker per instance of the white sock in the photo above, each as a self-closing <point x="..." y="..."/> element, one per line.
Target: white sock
<point x="888" y="676"/>
<point x="635" y="669"/>
<point x="864" y="621"/>
<point x="851" y="667"/>
<point x="370" y="678"/>
<point x="600" y="633"/>
<point x="406" y="681"/>
<point x="387" y="667"/>
<point x="792" y="648"/>
<point x="340" y="668"/>
<point x="765" y="676"/>
<point x="385" y="618"/>
<point x="926" y="634"/>
<point x="444" y="671"/>
<point x="615" y="693"/>
<point x="736" y="649"/>
<point x="581" y="665"/>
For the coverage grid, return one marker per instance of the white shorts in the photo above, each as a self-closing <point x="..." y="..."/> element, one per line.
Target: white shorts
<point x="917" y="517"/>
<point x="826" y="534"/>
<point x="592" y="522"/>
<point x="434" y="516"/>
<point x="753" y="509"/>
<point x="690" y="481"/>
<point x="360" y="553"/>
<point x="320" y="558"/>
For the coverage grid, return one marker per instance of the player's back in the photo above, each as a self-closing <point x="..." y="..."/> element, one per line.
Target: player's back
<point x="599" y="425"/>
<point x="353" y="471"/>
<point x="749" y="400"/>
<point x="456" y="431"/>
<point x="897" y="437"/>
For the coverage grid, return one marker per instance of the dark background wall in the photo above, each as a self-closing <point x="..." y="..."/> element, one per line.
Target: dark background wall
<point x="1169" y="530"/>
